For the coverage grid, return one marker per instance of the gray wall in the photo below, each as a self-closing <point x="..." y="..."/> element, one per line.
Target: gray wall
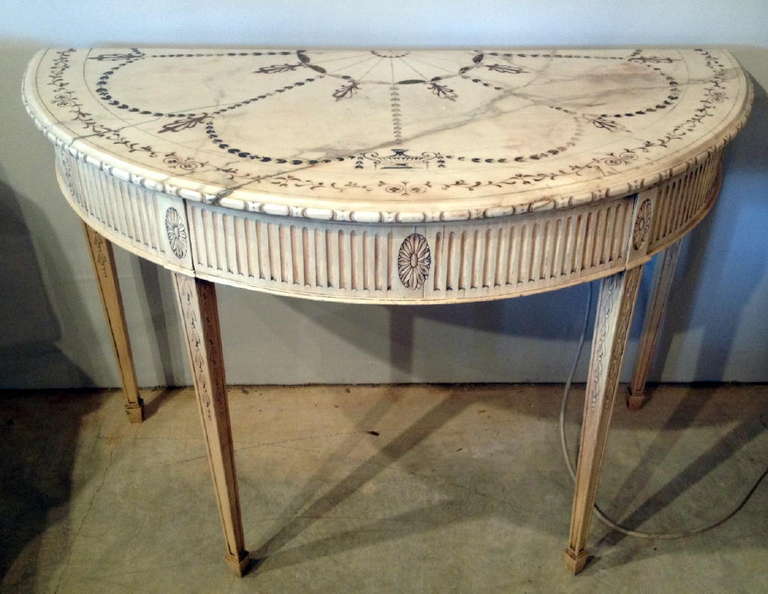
<point x="52" y="331"/>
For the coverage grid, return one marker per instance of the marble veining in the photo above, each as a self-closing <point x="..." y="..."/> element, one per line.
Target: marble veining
<point x="390" y="135"/>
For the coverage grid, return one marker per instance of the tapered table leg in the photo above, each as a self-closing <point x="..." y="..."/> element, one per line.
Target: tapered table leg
<point x="618" y="294"/>
<point x="199" y="313"/>
<point x="106" y="273"/>
<point x="662" y="284"/>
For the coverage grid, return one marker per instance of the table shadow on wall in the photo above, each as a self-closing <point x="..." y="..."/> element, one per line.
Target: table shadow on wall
<point x="40" y="439"/>
<point x="702" y="257"/>
<point x="721" y="254"/>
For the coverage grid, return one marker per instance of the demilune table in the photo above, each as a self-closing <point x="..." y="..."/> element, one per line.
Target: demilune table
<point x="390" y="177"/>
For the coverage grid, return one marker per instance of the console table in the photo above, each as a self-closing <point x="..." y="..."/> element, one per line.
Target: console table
<point x="390" y="177"/>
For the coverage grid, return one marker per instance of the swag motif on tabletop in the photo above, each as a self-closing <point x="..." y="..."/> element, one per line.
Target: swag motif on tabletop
<point x="713" y="93"/>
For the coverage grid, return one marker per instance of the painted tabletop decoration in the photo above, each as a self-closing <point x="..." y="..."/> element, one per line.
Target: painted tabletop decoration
<point x="390" y="135"/>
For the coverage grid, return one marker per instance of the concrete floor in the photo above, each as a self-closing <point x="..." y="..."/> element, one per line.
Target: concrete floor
<point x="378" y="489"/>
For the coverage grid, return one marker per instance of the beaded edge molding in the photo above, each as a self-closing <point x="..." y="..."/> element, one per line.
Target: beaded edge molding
<point x="221" y="196"/>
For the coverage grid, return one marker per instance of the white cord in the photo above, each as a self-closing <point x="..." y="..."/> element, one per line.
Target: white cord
<point x="600" y="513"/>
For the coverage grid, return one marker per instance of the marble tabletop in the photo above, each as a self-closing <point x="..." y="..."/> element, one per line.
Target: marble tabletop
<point x="389" y="135"/>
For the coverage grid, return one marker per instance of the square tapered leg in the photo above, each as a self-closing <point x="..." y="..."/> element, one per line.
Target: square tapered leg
<point x="199" y="313"/>
<point x="618" y="294"/>
<point x="654" y="315"/>
<point x="106" y="274"/>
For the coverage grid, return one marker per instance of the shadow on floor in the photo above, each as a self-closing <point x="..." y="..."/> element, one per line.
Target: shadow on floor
<point x="39" y="435"/>
<point x="693" y="409"/>
<point x="37" y="453"/>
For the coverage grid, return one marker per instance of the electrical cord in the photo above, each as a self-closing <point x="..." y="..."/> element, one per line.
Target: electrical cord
<point x="601" y="515"/>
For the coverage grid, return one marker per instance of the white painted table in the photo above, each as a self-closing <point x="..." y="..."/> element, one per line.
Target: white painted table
<point x="390" y="176"/>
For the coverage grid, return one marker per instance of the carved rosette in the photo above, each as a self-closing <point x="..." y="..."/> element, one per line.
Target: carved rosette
<point x="176" y="231"/>
<point x="642" y="224"/>
<point x="413" y="261"/>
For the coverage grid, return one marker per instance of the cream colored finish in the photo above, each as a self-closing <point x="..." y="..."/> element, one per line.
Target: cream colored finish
<point x="623" y="181"/>
<point x="521" y="130"/>
<point x="392" y="176"/>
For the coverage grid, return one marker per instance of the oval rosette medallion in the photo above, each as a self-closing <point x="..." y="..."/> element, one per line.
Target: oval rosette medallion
<point x="642" y="225"/>
<point x="413" y="261"/>
<point x="176" y="232"/>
